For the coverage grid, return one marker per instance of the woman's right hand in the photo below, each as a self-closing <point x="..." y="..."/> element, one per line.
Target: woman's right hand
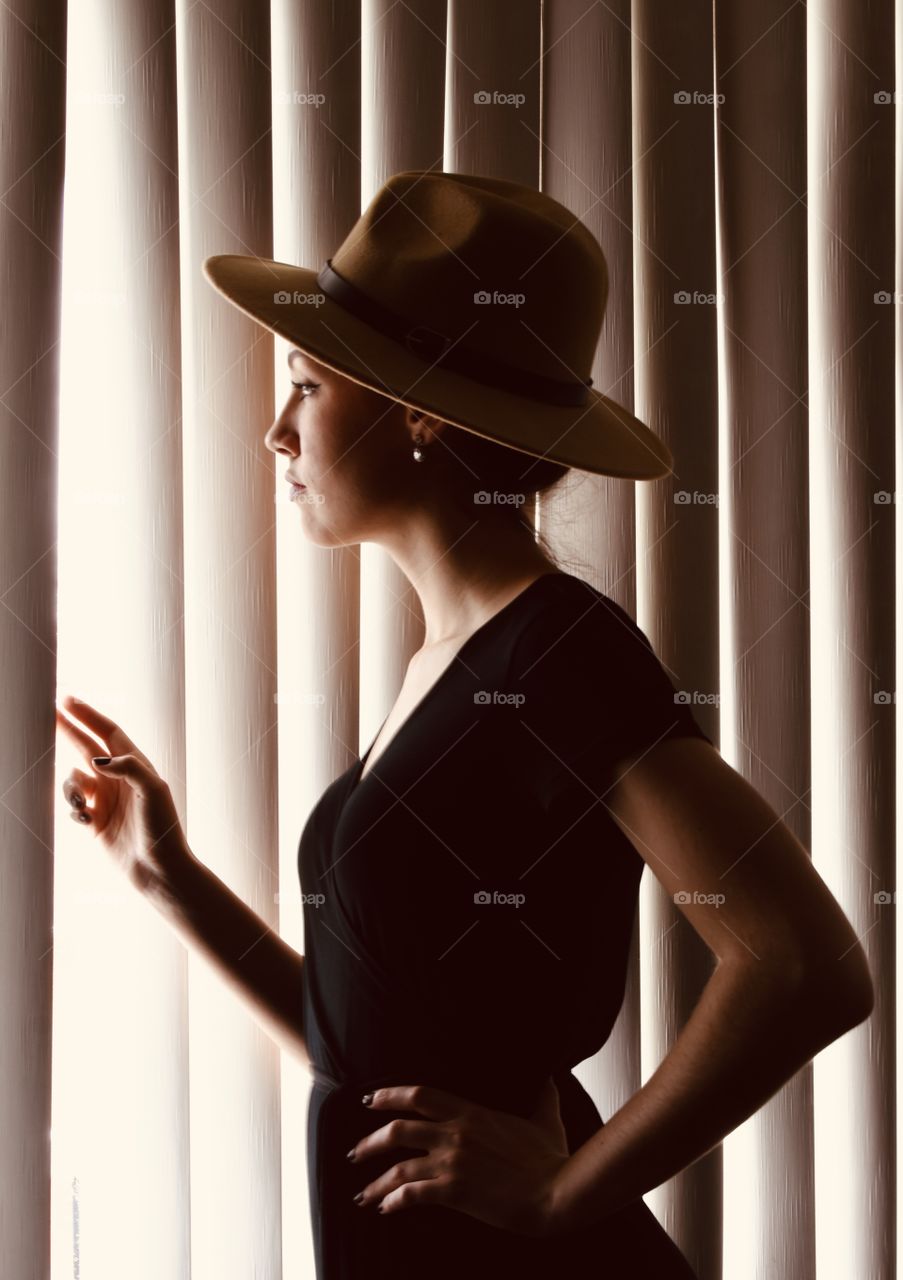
<point x="126" y="803"/>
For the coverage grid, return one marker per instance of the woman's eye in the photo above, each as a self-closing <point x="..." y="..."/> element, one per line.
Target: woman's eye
<point x="306" y="386"/>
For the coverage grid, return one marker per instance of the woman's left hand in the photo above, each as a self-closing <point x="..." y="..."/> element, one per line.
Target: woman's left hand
<point x="490" y="1164"/>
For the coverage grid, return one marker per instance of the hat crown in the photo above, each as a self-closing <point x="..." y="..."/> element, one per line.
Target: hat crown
<point x="491" y="265"/>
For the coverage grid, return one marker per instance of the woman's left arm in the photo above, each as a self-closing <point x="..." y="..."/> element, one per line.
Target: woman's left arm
<point x="790" y="977"/>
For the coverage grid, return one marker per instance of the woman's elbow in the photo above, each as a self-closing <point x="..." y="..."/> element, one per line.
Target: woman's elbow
<point x="841" y="993"/>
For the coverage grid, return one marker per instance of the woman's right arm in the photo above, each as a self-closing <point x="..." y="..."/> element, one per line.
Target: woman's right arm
<point x="129" y="809"/>
<point x="262" y="969"/>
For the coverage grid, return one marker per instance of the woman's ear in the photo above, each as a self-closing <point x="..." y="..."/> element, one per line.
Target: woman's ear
<point x="420" y="422"/>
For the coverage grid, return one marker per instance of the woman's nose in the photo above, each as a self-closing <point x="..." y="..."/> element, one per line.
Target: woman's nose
<point x="282" y="436"/>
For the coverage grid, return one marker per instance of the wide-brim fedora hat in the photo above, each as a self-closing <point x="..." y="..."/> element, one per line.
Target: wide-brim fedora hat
<point x="474" y="299"/>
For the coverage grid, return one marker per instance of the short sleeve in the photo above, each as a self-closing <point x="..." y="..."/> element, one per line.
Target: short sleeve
<point x="591" y="693"/>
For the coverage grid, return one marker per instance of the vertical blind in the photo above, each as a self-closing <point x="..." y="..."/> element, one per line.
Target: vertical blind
<point x="740" y="167"/>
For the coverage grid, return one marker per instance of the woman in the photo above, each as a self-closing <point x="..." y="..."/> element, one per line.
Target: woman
<point x="470" y="883"/>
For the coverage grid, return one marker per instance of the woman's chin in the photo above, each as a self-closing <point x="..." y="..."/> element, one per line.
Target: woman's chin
<point x="316" y="529"/>
<point x="320" y="535"/>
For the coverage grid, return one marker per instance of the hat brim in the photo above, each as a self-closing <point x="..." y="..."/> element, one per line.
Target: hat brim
<point x="599" y="436"/>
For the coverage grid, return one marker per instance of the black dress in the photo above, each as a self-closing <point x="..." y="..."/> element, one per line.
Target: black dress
<point x="468" y="907"/>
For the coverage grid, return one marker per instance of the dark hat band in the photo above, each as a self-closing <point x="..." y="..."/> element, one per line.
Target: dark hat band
<point x="428" y="344"/>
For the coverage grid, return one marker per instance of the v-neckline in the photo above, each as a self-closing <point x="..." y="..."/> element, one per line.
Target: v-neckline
<point x="358" y="777"/>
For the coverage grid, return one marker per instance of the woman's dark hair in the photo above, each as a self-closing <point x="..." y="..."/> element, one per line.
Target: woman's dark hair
<point x="493" y="481"/>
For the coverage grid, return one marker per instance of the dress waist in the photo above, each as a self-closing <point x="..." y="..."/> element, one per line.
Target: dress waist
<point x="352" y="1243"/>
<point x="521" y="1098"/>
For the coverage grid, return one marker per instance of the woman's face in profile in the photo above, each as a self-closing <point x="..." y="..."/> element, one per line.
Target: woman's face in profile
<point x="348" y="446"/>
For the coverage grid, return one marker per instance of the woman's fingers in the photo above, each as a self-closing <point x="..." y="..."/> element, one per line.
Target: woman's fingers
<point x="86" y="745"/>
<point x="96" y="721"/>
<point x="115" y="741"/>
<point x="89" y="797"/>
<point x="79" y="788"/>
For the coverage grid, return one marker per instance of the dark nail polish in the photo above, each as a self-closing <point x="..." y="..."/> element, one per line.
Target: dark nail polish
<point x="367" y="1099"/>
<point x="83" y="817"/>
<point x="100" y="760"/>
<point x="359" y="1198"/>
<point x="77" y="800"/>
<point x="350" y="1155"/>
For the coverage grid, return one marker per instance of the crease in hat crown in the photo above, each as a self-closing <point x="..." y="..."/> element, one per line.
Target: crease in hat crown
<point x="491" y="264"/>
